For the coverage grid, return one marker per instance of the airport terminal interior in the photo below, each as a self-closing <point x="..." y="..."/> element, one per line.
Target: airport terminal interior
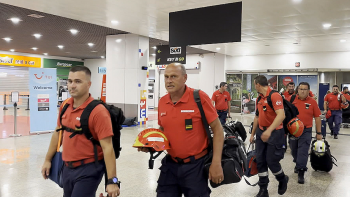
<point x="127" y="45"/>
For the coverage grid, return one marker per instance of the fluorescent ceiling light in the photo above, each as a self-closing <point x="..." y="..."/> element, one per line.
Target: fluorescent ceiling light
<point x="60" y="46"/>
<point x="114" y="22"/>
<point x="154" y="54"/>
<point x="154" y="47"/>
<point x="118" y="40"/>
<point x="102" y="57"/>
<point x="218" y="48"/>
<point x="15" y="20"/>
<point x="35" y="48"/>
<point x="91" y="44"/>
<point x="45" y="53"/>
<point x="37" y="35"/>
<point x="73" y="31"/>
<point x="12" y="50"/>
<point x="327" y="25"/>
<point x="7" y="39"/>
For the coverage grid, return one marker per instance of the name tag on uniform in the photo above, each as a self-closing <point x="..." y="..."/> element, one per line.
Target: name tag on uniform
<point x="187" y="111"/>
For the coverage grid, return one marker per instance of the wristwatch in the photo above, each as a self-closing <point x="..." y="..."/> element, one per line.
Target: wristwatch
<point x="113" y="180"/>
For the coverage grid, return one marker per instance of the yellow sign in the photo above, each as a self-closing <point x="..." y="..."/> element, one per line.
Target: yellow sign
<point x="16" y="60"/>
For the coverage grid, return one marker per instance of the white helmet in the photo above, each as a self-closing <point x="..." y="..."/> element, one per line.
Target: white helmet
<point x="319" y="148"/>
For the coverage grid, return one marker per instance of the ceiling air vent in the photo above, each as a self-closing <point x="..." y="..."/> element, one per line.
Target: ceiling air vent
<point x="36" y="16"/>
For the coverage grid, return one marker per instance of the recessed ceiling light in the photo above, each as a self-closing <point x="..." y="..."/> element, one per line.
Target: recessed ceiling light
<point x="114" y="22"/>
<point x="7" y="39"/>
<point x="91" y="44"/>
<point x="153" y="54"/>
<point x="342" y="40"/>
<point x="94" y="51"/>
<point x="218" y="48"/>
<point x="297" y="1"/>
<point x="37" y="35"/>
<point x="15" y="20"/>
<point x="102" y="57"/>
<point x="60" y="46"/>
<point x="73" y="31"/>
<point x="45" y="53"/>
<point x="35" y="48"/>
<point x="12" y="50"/>
<point x="154" y="47"/>
<point x="118" y="40"/>
<point x="327" y="25"/>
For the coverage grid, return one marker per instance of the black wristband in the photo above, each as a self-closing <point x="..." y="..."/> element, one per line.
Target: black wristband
<point x="319" y="133"/>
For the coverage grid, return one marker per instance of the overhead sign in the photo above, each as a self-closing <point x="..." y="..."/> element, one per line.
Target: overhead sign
<point x="63" y="66"/>
<point x="166" y="55"/>
<point x="16" y="60"/>
<point x="102" y="70"/>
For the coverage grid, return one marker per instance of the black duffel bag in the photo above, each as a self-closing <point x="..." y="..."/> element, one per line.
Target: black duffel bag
<point x="234" y="156"/>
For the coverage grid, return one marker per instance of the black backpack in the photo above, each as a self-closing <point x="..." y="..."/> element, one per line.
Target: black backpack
<point x="324" y="162"/>
<point x="236" y="126"/>
<point x="117" y="119"/>
<point x="289" y="109"/>
<point x="130" y="121"/>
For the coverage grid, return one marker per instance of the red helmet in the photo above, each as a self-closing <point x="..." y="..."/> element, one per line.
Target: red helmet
<point x="328" y="114"/>
<point x="153" y="139"/>
<point x="295" y="127"/>
<point x="344" y="105"/>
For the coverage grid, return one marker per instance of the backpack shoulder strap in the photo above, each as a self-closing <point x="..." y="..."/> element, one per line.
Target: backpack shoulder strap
<point x="84" y="120"/>
<point x="293" y="98"/>
<point x="64" y="109"/>
<point x="197" y="99"/>
<point x="269" y="101"/>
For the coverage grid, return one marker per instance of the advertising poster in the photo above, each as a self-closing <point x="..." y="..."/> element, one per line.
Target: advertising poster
<point x="43" y="99"/>
<point x="312" y="80"/>
<point x="249" y="94"/>
<point x="272" y="81"/>
<point x="283" y="81"/>
<point x="234" y="87"/>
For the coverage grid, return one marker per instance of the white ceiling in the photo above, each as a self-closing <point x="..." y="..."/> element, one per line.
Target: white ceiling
<point x="276" y="23"/>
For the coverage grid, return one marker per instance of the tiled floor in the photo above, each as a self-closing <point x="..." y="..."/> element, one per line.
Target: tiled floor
<point x="21" y="159"/>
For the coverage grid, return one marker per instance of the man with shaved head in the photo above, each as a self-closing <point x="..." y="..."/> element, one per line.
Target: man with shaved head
<point x="180" y="120"/>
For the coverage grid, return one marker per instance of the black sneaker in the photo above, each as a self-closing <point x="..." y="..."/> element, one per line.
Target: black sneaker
<point x="262" y="193"/>
<point x="282" y="186"/>
<point x="335" y="136"/>
<point x="301" y="179"/>
<point x="331" y="132"/>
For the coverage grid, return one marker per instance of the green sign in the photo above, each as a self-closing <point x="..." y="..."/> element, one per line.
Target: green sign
<point x="62" y="66"/>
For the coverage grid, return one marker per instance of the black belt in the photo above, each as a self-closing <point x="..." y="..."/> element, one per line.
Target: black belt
<point x="221" y="110"/>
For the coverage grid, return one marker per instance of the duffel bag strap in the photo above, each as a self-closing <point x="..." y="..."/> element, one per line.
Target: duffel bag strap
<point x="253" y="185"/>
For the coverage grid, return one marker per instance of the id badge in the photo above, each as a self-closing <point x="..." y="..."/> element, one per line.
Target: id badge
<point x="188" y="124"/>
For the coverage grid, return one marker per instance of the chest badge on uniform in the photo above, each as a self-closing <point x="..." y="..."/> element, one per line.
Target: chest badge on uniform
<point x="307" y="105"/>
<point x="188" y="124"/>
<point x="162" y="114"/>
<point x="78" y="118"/>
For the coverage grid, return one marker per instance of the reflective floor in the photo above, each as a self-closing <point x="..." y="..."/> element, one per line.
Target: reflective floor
<point x="21" y="159"/>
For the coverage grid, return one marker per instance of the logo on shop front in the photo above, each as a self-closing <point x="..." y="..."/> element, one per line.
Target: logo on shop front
<point x="36" y="76"/>
<point x="42" y="75"/>
<point x="175" y="50"/>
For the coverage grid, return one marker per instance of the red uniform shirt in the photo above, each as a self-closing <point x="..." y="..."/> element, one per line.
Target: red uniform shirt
<point x="268" y="116"/>
<point x="79" y="147"/>
<point x="308" y="108"/>
<point x="333" y="102"/>
<point x="347" y="96"/>
<point x="174" y="118"/>
<point x="287" y="96"/>
<point x="221" y="100"/>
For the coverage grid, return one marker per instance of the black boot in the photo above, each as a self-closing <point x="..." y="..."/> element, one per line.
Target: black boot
<point x="301" y="179"/>
<point x="335" y="136"/>
<point x="263" y="193"/>
<point x="282" y="186"/>
<point x="296" y="170"/>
